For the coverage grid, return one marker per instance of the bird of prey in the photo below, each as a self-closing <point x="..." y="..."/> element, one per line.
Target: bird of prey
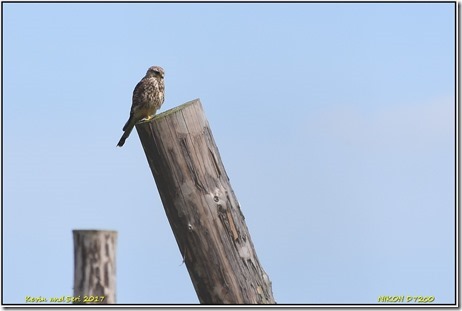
<point x="148" y="96"/>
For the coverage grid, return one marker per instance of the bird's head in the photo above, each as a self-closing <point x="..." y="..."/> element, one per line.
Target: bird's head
<point x="155" y="72"/>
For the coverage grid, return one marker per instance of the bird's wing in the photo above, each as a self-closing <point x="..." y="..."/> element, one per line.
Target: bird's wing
<point x="138" y="95"/>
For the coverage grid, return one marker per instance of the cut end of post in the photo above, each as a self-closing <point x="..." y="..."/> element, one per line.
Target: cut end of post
<point x="175" y="109"/>
<point x="93" y="231"/>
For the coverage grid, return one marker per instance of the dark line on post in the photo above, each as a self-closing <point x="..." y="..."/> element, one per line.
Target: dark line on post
<point x="187" y="156"/>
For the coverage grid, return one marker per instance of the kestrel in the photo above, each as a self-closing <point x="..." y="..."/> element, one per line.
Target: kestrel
<point x="148" y="96"/>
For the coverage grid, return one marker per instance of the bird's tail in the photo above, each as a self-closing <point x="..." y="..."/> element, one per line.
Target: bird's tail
<point x="128" y="127"/>
<point x="128" y="122"/>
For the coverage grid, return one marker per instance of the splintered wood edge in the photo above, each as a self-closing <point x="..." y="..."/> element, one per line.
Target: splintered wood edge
<point x="175" y="109"/>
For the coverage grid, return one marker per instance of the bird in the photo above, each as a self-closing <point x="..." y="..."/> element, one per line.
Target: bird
<point x="148" y="96"/>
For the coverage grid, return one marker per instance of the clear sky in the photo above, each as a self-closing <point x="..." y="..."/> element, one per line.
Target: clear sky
<point x="335" y="122"/>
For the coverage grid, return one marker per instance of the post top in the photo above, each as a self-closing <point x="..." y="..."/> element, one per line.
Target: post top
<point x="90" y="231"/>
<point x="180" y="107"/>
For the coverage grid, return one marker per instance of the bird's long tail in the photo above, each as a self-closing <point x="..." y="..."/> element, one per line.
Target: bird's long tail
<point x="128" y="127"/>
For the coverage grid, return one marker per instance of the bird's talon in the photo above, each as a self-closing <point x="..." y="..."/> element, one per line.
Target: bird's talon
<point x="145" y="120"/>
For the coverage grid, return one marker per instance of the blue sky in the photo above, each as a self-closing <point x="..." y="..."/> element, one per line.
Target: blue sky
<point x="335" y="122"/>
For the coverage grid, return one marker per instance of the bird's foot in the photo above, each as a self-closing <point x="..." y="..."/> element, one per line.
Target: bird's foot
<point x="147" y="119"/>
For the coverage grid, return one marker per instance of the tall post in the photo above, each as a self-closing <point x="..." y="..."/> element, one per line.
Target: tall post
<point x="94" y="266"/>
<point x="202" y="208"/>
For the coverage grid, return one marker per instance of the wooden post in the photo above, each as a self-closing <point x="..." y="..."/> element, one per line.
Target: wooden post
<point x="202" y="209"/>
<point x="94" y="266"/>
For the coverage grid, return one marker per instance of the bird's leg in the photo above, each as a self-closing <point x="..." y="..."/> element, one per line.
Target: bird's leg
<point x="147" y="119"/>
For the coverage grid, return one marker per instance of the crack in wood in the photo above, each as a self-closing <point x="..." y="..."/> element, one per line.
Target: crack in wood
<point x="232" y="226"/>
<point x="192" y="170"/>
<point x="214" y="161"/>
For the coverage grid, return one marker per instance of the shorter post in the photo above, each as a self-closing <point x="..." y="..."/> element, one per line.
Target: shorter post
<point x="94" y="266"/>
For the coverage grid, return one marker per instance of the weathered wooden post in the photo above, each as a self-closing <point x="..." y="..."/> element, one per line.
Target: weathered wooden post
<point x="94" y="266"/>
<point x="202" y="209"/>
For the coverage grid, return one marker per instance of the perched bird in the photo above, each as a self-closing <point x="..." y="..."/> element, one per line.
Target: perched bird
<point x="148" y="96"/>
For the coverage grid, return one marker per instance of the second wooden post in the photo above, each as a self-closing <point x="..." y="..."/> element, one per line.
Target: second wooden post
<point x="94" y="266"/>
